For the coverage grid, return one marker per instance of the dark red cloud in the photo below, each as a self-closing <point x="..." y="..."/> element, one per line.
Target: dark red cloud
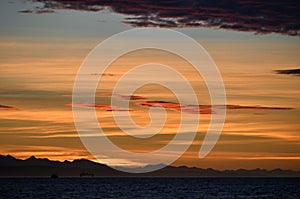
<point x="241" y="15"/>
<point x="187" y="108"/>
<point x="103" y="74"/>
<point x="202" y="109"/>
<point x="289" y="72"/>
<point x="130" y="97"/>
<point x="177" y="107"/>
<point x="99" y="106"/>
<point x="4" y="107"/>
<point x="256" y="107"/>
<point x="122" y="97"/>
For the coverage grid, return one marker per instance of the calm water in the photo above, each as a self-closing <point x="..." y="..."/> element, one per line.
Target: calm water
<point x="150" y="188"/>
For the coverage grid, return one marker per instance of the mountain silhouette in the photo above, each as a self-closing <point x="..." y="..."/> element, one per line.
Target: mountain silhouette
<point x="43" y="167"/>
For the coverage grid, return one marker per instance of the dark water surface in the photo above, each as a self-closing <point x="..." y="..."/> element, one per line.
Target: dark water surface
<point x="150" y="188"/>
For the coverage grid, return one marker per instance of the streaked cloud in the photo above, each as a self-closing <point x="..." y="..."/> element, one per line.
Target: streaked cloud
<point x="254" y="156"/>
<point x="44" y="11"/>
<point x="122" y="97"/>
<point x="131" y="97"/>
<point x="103" y="74"/>
<point x="192" y="109"/>
<point x="38" y="11"/>
<point x="289" y="71"/>
<point x="203" y="109"/>
<point x="99" y="106"/>
<point x="5" y="107"/>
<point x="26" y="11"/>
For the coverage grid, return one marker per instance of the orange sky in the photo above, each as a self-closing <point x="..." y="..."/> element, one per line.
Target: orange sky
<point x="37" y="74"/>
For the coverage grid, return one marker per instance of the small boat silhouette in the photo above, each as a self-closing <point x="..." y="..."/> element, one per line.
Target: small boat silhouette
<point x="54" y="175"/>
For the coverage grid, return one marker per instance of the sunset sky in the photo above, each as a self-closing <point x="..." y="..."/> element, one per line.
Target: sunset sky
<point x="42" y="46"/>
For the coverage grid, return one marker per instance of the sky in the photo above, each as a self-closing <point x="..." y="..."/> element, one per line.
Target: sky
<point x="43" y="44"/>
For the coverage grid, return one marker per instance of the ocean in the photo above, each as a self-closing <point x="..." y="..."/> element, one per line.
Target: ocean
<point x="149" y="188"/>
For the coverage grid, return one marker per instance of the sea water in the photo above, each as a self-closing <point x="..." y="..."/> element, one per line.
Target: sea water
<point x="150" y="188"/>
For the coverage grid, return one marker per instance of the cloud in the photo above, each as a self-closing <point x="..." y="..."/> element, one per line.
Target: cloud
<point x="256" y="16"/>
<point x="44" y="11"/>
<point x="130" y="97"/>
<point x="256" y="107"/>
<point x="103" y="74"/>
<point x="202" y="109"/>
<point x="122" y="97"/>
<point x="99" y="106"/>
<point x="192" y="109"/>
<point x="4" y="107"/>
<point x="37" y="11"/>
<point x="288" y="72"/>
<point x="26" y="11"/>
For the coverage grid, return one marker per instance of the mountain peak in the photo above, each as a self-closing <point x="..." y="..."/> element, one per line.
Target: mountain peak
<point x="32" y="158"/>
<point x="10" y="166"/>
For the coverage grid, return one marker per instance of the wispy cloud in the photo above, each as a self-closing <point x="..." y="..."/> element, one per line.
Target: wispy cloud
<point x="26" y="11"/>
<point x="289" y="72"/>
<point x="4" y="107"/>
<point x="203" y="109"/>
<point x="99" y="106"/>
<point x="253" y="156"/>
<point x="122" y="97"/>
<point x="187" y="108"/>
<point x="38" y="11"/>
<point x="130" y="97"/>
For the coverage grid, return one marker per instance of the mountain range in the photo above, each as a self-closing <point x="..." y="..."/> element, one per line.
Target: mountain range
<point x="37" y="167"/>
